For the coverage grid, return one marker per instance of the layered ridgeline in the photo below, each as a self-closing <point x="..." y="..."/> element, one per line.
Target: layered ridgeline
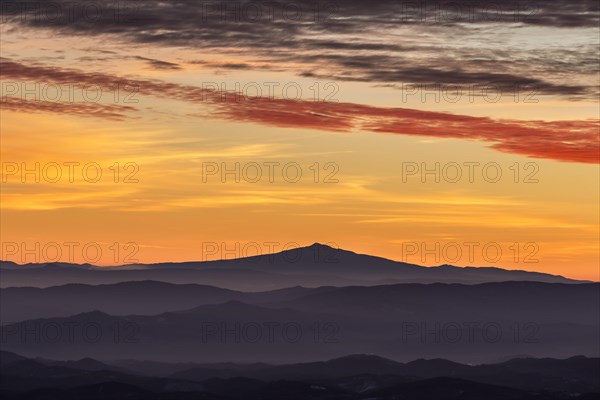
<point x="312" y="266"/>
<point x="350" y="378"/>
<point x="177" y="323"/>
<point x="251" y="328"/>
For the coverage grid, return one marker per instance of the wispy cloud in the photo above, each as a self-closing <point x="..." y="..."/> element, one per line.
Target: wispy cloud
<point x="575" y="141"/>
<point x="393" y="42"/>
<point x="106" y="111"/>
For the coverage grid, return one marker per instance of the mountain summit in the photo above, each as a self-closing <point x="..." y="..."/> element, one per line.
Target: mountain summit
<point x="310" y="266"/>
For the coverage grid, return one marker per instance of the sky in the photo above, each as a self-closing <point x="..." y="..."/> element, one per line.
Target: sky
<point x="436" y="132"/>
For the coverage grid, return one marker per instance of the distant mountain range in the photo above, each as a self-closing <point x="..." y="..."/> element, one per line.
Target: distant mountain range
<point x="251" y="329"/>
<point x="398" y="300"/>
<point x="176" y="323"/>
<point x="351" y="377"/>
<point x="311" y="266"/>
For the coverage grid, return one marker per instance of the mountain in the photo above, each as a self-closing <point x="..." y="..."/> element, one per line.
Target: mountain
<point x="231" y="331"/>
<point x="84" y="364"/>
<point x="522" y="301"/>
<point x="464" y="323"/>
<point x="238" y="389"/>
<point x="9" y="265"/>
<point x="118" y="299"/>
<point x="454" y="389"/>
<point x="236" y="279"/>
<point x="165" y="369"/>
<point x="30" y="375"/>
<point x="311" y="266"/>
<point x="369" y="377"/>
<point x="352" y="365"/>
<point x="511" y="299"/>
<point x="7" y="357"/>
<point x="137" y="297"/>
<point x="575" y="374"/>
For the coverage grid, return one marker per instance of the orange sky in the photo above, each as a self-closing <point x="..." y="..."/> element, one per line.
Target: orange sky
<point x="361" y="150"/>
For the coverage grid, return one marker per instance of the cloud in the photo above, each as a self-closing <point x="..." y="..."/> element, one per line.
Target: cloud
<point x="572" y="141"/>
<point x="113" y="112"/>
<point x="159" y="64"/>
<point x="419" y="42"/>
<point x="371" y="70"/>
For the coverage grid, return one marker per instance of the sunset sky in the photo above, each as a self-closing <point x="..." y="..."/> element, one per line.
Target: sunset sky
<point x="365" y="96"/>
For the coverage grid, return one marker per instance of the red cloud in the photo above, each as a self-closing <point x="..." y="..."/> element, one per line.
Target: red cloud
<point x="573" y="141"/>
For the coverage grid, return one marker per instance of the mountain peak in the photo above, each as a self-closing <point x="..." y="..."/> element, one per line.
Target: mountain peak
<point x="318" y="245"/>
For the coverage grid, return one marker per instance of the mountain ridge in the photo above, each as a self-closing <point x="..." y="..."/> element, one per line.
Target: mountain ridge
<point x="310" y="266"/>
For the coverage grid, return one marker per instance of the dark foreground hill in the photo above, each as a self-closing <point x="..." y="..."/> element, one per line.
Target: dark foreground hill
<point x="357" y="377"/>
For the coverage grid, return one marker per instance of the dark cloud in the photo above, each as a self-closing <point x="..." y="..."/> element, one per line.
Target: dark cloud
<point x="112" y="56"/>
<point x="382" y="69"/>
<point x="159" y="64"/>
<point x="288" y="31"/>
<point x="195" y="18"/>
